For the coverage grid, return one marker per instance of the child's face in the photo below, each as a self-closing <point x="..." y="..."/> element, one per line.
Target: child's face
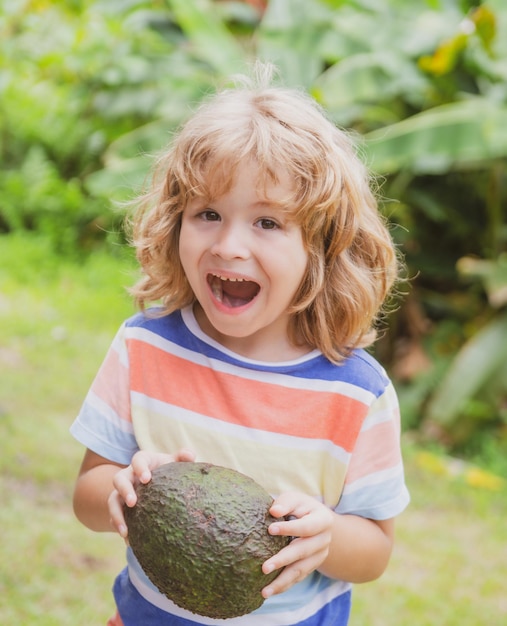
<point x="244" y="259"/>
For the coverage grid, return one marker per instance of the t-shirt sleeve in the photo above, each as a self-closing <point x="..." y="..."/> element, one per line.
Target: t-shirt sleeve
<point x="375" y="482"/>
<point x="104" y="423"/>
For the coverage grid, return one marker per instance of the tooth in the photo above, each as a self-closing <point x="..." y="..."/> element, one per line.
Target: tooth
<point x="217" y="290"/>
<point x="232" y="280"/>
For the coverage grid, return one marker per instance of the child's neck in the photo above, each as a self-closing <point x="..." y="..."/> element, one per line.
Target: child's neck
<point x="258" y="347"/>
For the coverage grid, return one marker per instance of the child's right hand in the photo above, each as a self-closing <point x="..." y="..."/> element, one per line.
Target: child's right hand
<point x="139" y="471"/>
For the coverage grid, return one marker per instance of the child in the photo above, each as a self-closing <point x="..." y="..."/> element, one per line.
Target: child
<point x="262" y="241"/>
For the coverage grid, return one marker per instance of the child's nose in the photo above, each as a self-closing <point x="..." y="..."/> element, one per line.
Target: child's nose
<point x="231" y="243"/>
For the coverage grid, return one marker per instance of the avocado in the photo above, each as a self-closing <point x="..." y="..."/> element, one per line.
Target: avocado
<point x="199" y="531"/>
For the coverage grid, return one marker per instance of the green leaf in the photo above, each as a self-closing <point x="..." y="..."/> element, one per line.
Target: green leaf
<point x="493" y="274"/>
<point x="461" y="134"/>
<point x="368" y="78"/>
<point x="290" y="35"/>
<point x="121" y="180"/>
<point x="209" y="36"/>
<point x="477" y="362"/>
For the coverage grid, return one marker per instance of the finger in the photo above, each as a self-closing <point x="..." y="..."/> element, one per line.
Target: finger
<point x="142" y="463"/>
<point x="282" y="507"/>
<point x="298" y="551"/>
<point x="293" y="504"/>
<point x="185" y="455"/>
<point x="123" y="482"/>
<point x="289" y="555"/>
<point x="304" y="522"/>
<point x="292" y="574"/>
<point x="299" y="527"/>
<point x="115" y="505"/>
<point x="285" y="580"/>
<point x="289" y="528"/>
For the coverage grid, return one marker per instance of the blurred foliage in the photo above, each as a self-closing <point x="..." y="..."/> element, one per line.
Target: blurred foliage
<point x="90" y="89"/>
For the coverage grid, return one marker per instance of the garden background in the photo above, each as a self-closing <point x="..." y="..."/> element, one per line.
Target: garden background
<point x="89" y="91"/>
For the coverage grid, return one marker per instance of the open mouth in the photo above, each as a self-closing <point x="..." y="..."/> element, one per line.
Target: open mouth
<point x="233" y="292"/>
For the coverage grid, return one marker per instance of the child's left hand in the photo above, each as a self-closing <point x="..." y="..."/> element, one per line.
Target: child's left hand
<point x="312" y="532"/>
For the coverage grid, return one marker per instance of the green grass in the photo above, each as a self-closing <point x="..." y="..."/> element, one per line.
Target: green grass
<point x="56" y="321"/>
<point x="449" y="566"/>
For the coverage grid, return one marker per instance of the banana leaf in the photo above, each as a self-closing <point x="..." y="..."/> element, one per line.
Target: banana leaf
<point x="290" y="36"/>
<point x="493" y="274"/>
<point x="370" y="78"/>
<point x="457" y="135"/>
<point x="481" y="359"/>
<point x="208" y="35"/>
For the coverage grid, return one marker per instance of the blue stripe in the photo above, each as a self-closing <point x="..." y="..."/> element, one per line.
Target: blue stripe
<point x="360" y="369"/>
<point x="371" y="501"/>
<point x="97" y="434"/>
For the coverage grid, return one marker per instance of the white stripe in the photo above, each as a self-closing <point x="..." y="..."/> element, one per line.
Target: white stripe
<point x="244" y="433"/>
<point x="377" y="417"/>
<point x="118" y="345"/>
<point x="374" y="479"/>
<point x="105" y="410"/>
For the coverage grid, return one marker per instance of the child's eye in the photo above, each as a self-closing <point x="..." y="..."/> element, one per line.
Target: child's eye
<point x="209" y="216"/>
<point x="267" y="224"/>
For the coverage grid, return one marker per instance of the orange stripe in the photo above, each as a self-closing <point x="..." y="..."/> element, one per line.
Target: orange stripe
<point x="250" y="403"/>
<point x="373" y="457"/>
<point x="112" y="385"/>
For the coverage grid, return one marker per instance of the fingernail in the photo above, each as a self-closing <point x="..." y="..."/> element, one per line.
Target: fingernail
<point x="274" y="529"/>
<point x="130" y="499"/>
<point x="269" y="568"/>
<point x="267" y="593"/>
<point x="122" y="529"/>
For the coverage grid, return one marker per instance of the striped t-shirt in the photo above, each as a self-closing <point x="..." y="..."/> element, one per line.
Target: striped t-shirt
<point x="329" y="431"/>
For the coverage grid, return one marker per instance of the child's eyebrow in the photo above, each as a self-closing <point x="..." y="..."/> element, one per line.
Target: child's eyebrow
<point x="264" y="204"/>
<point x="274" y="205"/>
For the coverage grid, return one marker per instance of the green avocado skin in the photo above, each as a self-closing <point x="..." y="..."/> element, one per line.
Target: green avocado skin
<point x="199" y="532"/>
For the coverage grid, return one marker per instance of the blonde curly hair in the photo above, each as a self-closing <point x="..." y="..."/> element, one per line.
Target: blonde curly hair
<point x="353" y="262"/>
